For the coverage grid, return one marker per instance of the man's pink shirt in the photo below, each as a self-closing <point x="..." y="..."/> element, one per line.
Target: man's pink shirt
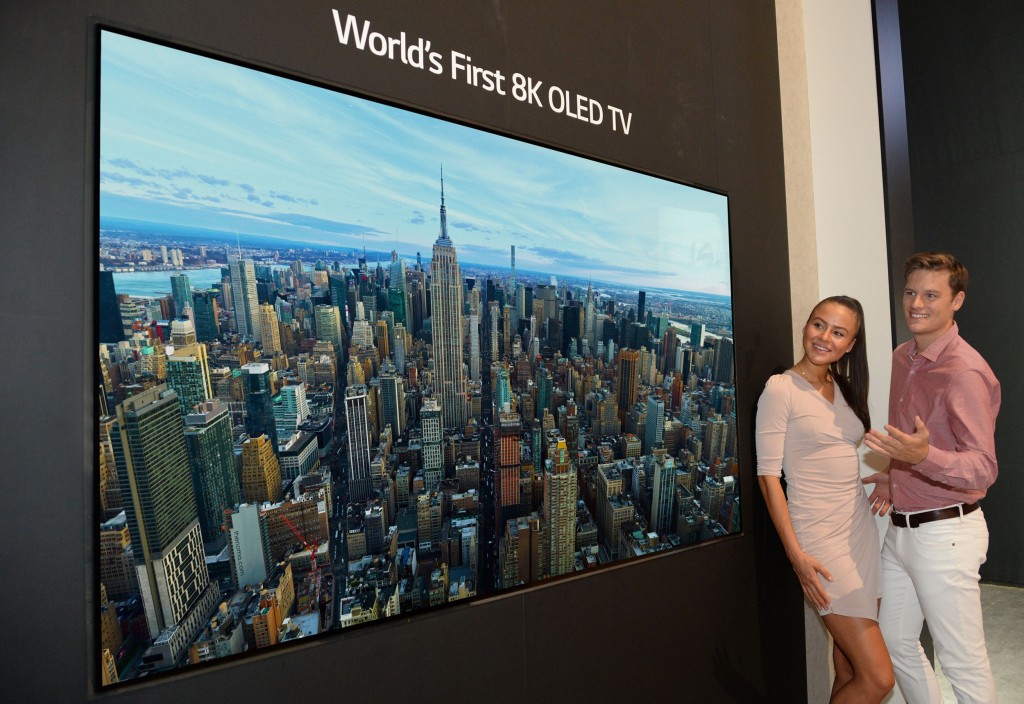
<point x="957" y="396"/>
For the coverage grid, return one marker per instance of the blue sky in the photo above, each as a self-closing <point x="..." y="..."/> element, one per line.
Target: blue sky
<point x="203" y="143"/>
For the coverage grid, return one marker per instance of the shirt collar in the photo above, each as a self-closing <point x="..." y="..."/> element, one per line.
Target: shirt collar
<point x="936" y="348"/>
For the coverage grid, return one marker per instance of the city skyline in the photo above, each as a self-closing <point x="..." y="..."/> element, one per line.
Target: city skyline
<point x="207" y="144"/>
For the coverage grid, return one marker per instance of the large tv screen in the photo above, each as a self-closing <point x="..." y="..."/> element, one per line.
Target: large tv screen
<point x="359" y="362"/>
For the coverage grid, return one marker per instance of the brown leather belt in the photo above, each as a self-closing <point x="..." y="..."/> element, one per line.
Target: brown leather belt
<point x="913" y="520"/>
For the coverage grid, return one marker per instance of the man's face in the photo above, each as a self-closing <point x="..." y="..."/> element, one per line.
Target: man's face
<point x="929" y="305"/>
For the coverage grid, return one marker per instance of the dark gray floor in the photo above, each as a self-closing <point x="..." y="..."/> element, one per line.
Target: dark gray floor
<point x="1003" y="609"/>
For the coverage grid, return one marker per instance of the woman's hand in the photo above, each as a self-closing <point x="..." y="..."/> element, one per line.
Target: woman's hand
<point x="807" y="570"/>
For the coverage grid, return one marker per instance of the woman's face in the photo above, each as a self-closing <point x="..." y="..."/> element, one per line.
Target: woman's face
<point x="829" y="333"/>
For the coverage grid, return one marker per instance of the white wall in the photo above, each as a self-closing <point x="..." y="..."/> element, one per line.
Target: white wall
<point x="835" y="202"/>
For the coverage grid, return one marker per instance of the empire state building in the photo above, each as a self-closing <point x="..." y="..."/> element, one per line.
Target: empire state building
<point x="446" y="324"/>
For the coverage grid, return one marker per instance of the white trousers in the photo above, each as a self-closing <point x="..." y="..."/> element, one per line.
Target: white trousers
<point x="930" y="573"/>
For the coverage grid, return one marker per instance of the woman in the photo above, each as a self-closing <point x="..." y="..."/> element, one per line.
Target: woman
<point x="810" y="420"/>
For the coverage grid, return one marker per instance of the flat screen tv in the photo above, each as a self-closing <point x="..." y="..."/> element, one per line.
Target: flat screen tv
<point x="358" y="362"/>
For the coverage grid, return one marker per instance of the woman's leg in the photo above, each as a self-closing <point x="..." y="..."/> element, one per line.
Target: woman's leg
<point x="843" y="668"/>
<point x="860" y="642"/>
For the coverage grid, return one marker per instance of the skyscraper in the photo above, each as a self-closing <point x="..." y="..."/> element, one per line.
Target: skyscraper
<point x="716" y="433"/>
<point x="512" y="279"/>
<point x="270" y="332"/>
<point x="655" y="425"/>
<point x="400" y="348"/>
<point x="212" y="458"/>
<point x="572" y="325"/>
<point x="398" y="293"/>
<point x="696" y="335"/>
<point x="358" y="425"/>
<point x="183" y="332"/>
<point x="259" y="401"/>
<point x="290" y="410"/>
<point x="111" y="325"/>
<point x="188" y="373"/>
<point x="153" y="469"/>
<point x="724" y="360"/>
<point x="663" y="494"/>
<point x="545" y="390"/>
<point x="242" y="273"/>
<point x="433" y="460"/>
<point x="249" y="540"/>
<point x="392" y="397"/>
<point x="329" y="327"/>
<point x="668" y="351"/>
<point x="446" y="320"/>
<point x="261" y="471"/>
<point x="560" y="492"/>
<point x="181" y="290"/>
<point x="206" y="315"/>
<point x="474" y="347"/>
<point x="628" y="378"/>
<point x="508" y="450"/>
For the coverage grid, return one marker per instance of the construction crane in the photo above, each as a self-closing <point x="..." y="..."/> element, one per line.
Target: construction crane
<point x="314" y="568"/>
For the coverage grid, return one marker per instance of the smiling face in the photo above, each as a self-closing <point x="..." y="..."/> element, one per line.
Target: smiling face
<point x="829" y="333"/>
<point x="929" y="304"/>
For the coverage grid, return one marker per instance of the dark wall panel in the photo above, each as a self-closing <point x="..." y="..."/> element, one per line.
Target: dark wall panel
<point x="964" y="77"/>
<point x="722" y="622"/>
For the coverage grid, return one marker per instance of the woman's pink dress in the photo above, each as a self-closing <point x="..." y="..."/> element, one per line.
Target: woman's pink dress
<point x="814" y="443"/>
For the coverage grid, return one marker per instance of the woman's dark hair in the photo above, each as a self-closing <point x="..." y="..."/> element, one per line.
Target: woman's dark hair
<point x="851" y="372"/>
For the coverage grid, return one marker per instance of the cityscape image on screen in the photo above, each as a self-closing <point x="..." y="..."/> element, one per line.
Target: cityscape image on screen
<point x="357" y="362"/>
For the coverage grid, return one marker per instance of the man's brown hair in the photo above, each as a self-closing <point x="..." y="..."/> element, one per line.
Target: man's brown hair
<point x="938" y="261"/>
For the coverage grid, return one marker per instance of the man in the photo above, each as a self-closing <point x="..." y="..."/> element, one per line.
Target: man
<point x="940" y="440"/>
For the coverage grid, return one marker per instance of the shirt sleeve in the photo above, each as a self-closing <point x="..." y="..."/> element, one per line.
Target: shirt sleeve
<point x="773" y="411"/>
<point x="971" y="404"/>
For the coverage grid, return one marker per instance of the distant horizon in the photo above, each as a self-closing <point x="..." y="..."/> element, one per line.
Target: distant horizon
<point x="321" y="248"/>
<point x="194" y="142"/>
